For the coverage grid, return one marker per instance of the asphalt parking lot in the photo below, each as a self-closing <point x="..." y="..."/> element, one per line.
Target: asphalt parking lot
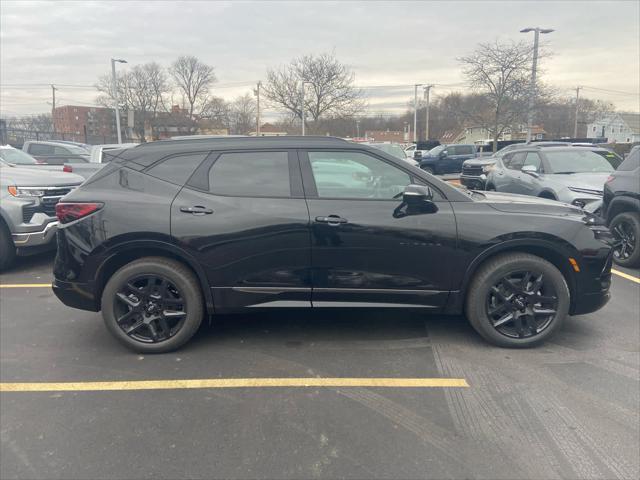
<point x="569" y="409"/>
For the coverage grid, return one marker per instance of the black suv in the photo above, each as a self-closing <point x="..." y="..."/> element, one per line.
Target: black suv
<point x="621" y="209"/>
<point x="171" y="231"/>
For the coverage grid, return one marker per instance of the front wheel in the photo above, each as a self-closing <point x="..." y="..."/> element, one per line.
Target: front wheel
<point x="153" y="305"/>
<point x="7" y="248"/>
<point x="626" y="229"/>
<point x="517" y="300"/>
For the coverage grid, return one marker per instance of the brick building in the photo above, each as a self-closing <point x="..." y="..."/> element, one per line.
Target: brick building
<point x="80" y="123"/>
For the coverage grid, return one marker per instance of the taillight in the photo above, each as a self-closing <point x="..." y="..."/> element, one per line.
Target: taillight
<point x="68" y="212"/>
<point x="67" y="168"/>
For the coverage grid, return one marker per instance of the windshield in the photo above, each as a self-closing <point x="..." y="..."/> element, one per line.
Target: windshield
<point x="610" y="157"/>
<point x="17" y="157"/>
<point x="392" y="149"/>
<point x="436" y="150"/>
<point x="577" y="161"/>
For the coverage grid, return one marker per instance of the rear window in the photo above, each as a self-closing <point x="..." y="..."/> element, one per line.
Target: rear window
<point x="39" y="149"/>
<point x="632" y="162"/>
<point x="177" y="169"/>
<point x="251" y="174"/>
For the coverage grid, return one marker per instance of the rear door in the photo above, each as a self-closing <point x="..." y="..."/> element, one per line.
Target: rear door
<point x="368" y="248"/>
<point x="243" y="217"/>
<point x="529" y="184"/>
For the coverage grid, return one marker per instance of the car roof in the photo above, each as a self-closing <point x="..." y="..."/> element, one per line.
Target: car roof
<point x="228" y="142"/>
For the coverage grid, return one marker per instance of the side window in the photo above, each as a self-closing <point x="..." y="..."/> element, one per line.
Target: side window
<point x="60" y="151"/>
<point x="516" y="161"/>
<point x="177" y="169"/>
<point x="452" y="150"/>
<point x="465" y="150"/>
<point x="533" y="159"/>
<point x="355" y="175"/>
<point x="39" y="149"/>
<point x="631" y="162"/>
<point x="251" y="174"/>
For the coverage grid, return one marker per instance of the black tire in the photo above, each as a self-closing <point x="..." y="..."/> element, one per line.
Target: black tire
<point x="177" y="281"/>
<point x="429" y="170"/>
<point x="7" y="248"/>
<point x="481" y="294"/>
<point x="626" y="228"/>
<point x="548" y="196"/>
<point x="490" y="188"/>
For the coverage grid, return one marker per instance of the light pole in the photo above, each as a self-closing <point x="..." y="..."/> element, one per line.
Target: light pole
<point x="114" y="86"/>
<point x="415" y="111"/>
<point x="302" y="105"/>
<point x="427" y="90"/>
<point x="532" y="93"/>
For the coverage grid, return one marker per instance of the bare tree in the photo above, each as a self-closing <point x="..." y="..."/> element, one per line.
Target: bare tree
<point x="218" y="111"/>
<point x="329" y="88"/>
<point x="194" y="79"/>
<point x="501" y="71"/>
<point x="243" y="114"/>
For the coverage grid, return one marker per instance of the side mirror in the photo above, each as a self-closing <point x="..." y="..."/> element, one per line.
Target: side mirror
<point x="416" y="194"/>
<point x="443" y="154"/>
<point x="531" y="170"/>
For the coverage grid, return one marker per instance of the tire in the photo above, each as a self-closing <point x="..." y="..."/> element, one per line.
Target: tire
<point x="626" y="228"/>
<point x="429" y="170"/>
<point x="490" y="188"/>
<point x="548" y="196"/>
<point x="481" y="295"/>
<point x="7" y="248"/>
<point x="167" y="298"/>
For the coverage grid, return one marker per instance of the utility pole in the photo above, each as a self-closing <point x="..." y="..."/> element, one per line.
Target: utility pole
<point x="427" y="90"/>
<point x="575" y="124"/>
<point x="357" y="128"/>
<point x="258" y="109"/>
<point x="532" y="94"/>
<point x="302" y="105"/>
<point x="114" y="86"/>
<point x="53" y="108"/>
<point x="415" y="112"/>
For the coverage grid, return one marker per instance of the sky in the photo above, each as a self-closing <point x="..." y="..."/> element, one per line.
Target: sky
<point x="389" y="45"/>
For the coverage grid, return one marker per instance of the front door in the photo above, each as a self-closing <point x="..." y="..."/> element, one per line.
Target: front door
<point x="529" y="184"/>
<point x="368" y="249"/>
<point x="243" y="217"/>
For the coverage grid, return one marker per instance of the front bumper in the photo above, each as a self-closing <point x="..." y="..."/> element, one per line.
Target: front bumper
<point x="44" y="236"/>
<point x="474" y="181"/>
<point x="76" y="294"/>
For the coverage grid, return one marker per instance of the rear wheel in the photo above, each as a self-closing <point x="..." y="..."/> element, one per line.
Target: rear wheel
<point x="626" y="229"/>
<point x="429" y="170"/>
<point x="517" y="300"/>
<point x="153" y="305"/>
<point x="7" y="248"/>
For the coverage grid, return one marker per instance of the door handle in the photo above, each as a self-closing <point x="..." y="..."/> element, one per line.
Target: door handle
<point x="333" y="220"/>
<point x="196" y="210"/>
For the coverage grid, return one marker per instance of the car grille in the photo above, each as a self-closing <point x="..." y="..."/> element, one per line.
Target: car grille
<point x="472" y="170"/>
<point x="47" y="203"/>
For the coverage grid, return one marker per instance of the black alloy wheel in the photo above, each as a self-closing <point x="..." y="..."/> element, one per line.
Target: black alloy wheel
<point x="521" y="304"/>
<point x="149" y="308"/>
<point x="624" y="232"/>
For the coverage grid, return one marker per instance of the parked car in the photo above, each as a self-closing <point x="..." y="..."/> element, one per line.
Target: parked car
<point x="100" y="155"/>
<point x="171" y="231"/>
<point x="56" y="153"/>
<point x="475" y="170"/>
<point x="392" y="149"/>
<point x="621" y="209"/>
<point x="27" y="209"/>
<point x="446" y="158"/>
<point x="569" y="174"/>
<point x="422" y="147"/>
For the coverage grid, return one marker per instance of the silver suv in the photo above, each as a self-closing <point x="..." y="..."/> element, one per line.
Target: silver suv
<point x="573" y="175"/>
<point x="27" y="209"/>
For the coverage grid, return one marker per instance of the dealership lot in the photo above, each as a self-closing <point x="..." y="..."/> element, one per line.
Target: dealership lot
<point x="568" y="409"/>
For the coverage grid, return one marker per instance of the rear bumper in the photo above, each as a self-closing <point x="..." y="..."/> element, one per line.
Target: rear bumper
<point x="76" y="295"/>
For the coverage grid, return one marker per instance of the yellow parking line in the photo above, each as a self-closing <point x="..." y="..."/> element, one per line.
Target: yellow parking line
<point x="625" y="275"/>
<point x="25" y="285"/>
<point x="235" y="383"/>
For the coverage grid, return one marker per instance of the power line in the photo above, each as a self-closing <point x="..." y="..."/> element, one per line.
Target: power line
<point x="610" y="91"/>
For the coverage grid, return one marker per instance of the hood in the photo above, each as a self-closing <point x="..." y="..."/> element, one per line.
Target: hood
<point x="29" y="177"/>
<point x="588" y="180"/>
<point x="513" y="203"/>
<point x="480" y="162"/>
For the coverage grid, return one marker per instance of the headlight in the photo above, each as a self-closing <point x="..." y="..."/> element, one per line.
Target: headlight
<point x="488" y="168"/>
<point x="588" y="191"/>
<point x="25" y="191"/>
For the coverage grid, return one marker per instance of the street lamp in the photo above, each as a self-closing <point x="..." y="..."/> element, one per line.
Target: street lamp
<point x="114" y="86"/>
<point x="532" y="93"/>
<point x="302" y="105"/>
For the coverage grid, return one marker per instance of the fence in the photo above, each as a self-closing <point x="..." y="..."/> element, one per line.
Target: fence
<point x="16" y="137"/>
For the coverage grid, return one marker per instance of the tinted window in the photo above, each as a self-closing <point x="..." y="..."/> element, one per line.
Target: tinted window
<point x="464" y="150"/>
<point x="533" y="159"/>
<point x="515" y="160"/>
<point x="355" y="175"/>
<point x="38" y="149"/>
<point x="632" y="161"/>
<point x="177" y="169"/>
<point x="251" y="174"/>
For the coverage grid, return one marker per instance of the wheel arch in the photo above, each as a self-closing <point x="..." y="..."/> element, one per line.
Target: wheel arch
<point x="620" y="205"/>
<point x="545" y="249"/>
<point x="133" y="250"/>
<point x="546" y="193"/>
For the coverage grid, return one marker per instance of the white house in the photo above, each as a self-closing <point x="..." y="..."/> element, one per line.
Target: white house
<point x="616" y="128"/>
